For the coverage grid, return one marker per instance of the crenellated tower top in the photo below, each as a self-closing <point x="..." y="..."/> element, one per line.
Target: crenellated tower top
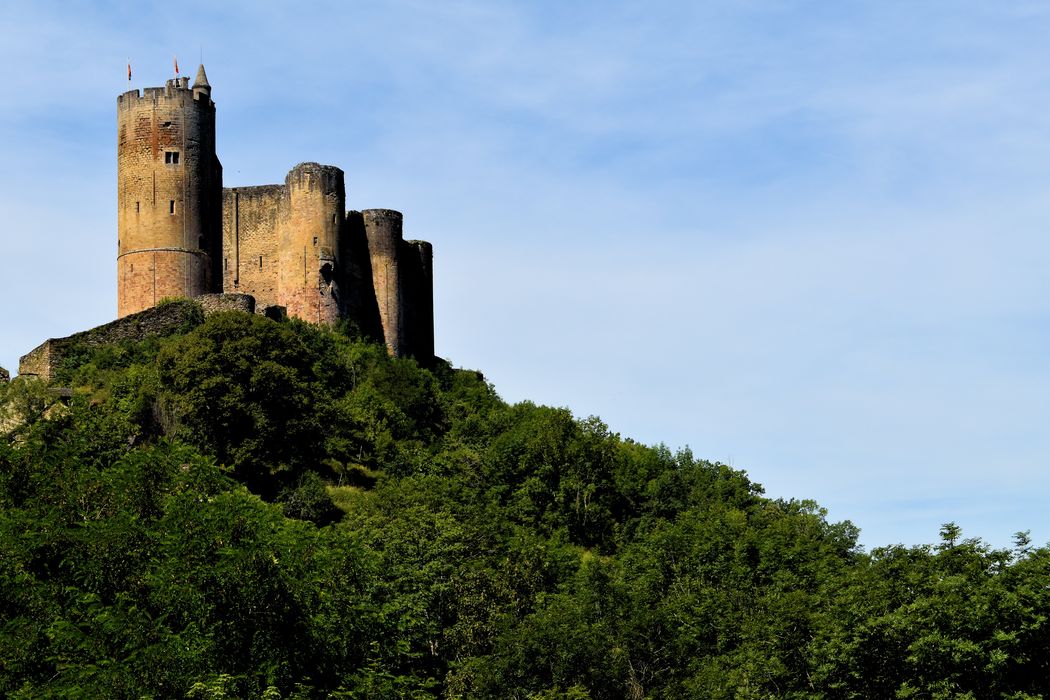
<point x="169" y="196"/>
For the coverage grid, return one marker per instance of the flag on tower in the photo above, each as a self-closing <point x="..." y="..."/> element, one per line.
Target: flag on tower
<point x="129" y="71"/>
<point x="176" y="65"/>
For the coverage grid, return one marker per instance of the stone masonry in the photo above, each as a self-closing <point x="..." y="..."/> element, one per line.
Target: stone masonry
<point x="167" y="319"/>
<point x="294" y="245"/>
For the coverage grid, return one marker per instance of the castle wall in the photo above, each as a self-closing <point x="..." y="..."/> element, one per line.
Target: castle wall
<point x="360" y="297"/>
<point x="417" y="299"/>
<point x="44" y="360"/>
<point x="249" y="241"/>
<point x="292" y="247"/>
<point x="144" y="277"/>
<point x="311" y="220"/>
<point x="218" y="303"/>
<point x="383" y="233"/>
<point x="168" y="193"/>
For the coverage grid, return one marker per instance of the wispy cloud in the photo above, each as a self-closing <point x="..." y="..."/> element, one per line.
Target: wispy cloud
<point x="808" y="237"/>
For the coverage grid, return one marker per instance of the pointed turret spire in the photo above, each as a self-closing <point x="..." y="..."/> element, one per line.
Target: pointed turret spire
<point x="202" y="78"/>
<point x="200" y="84"/>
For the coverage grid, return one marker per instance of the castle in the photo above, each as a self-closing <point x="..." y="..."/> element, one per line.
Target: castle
<point x="288" y="249"/>
<point x="181" y="234"/>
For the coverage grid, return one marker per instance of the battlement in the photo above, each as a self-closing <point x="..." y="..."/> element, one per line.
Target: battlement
<point x="173" y="89"/>
<point x="255" y="190"/>
<point x="292" y="245"/>
<point x="383" y="214"/>
<point x="310" y="176"/>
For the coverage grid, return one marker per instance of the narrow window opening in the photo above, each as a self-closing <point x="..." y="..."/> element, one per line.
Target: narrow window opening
<point x="260" y="262"/>
<point x="136" y="207"/>
<point x="315" y="240"/>
<point x="226" y="263"/>
<point x="171" y="207"/>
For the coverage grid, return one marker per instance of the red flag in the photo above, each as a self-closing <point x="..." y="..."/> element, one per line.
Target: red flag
<point x="176" y="65"/>
<point x="129" y="71"/>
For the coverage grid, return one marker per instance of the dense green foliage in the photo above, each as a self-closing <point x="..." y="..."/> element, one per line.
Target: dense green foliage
<point x="262" y="509"/>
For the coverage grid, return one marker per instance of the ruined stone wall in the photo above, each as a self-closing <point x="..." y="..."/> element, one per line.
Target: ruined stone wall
<point x="168" y="195"/>
<point x="157" y="321"/>
<point x="249" y="241"/>
<point x="217" y="303"/>
<point x="311" y="220"/>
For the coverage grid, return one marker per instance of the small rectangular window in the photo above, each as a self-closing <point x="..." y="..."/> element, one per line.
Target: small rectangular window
<point x="315" y="240"/>
<point x="260" y="262"/>
<point x="226" y="263"/>
<point x="136" y="207"/>
<point x="171" y="207"/>
<point x="171" y="157"/>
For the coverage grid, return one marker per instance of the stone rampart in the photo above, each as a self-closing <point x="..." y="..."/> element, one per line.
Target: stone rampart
<point x="217" y="303"/>
<point x="168" y="319"/>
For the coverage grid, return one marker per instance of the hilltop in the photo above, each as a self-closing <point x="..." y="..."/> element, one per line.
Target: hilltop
<point x="249" y="507"/>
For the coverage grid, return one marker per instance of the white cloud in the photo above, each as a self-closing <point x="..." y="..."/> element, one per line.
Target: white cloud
<point x="808" y="237"/>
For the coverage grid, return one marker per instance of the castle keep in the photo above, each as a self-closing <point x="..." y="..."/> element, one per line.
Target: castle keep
<point x="294" y="246"/>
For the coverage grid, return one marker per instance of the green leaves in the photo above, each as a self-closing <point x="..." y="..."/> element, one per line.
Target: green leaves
<point x="168" y="530"/>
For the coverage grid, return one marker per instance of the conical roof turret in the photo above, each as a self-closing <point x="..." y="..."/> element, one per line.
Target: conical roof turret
<point x="202" y="78"/>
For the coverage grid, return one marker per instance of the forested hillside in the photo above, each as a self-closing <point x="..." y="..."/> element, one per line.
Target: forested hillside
<point x="262" y="509"/>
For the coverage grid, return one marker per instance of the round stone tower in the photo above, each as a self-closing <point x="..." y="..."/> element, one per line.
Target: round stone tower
<point x="169" y="194"/>
<point x="383" y="230"/>
<point x="308" y="242"/>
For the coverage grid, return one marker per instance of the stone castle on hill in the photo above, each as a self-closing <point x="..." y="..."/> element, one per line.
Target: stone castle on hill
<point x="279" y="249"/>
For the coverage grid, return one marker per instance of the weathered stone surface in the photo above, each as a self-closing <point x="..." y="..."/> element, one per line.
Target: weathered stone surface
<point x="249" y="241"/>
<point x="181" y="235"/>
<point x="5" y="376"/>
<point x="169" y="195"/>
<point x="164" y="320"/>
<point x="214" y="303"/>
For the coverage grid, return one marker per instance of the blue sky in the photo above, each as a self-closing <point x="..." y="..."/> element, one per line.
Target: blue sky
<point x="804" y="238"/>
